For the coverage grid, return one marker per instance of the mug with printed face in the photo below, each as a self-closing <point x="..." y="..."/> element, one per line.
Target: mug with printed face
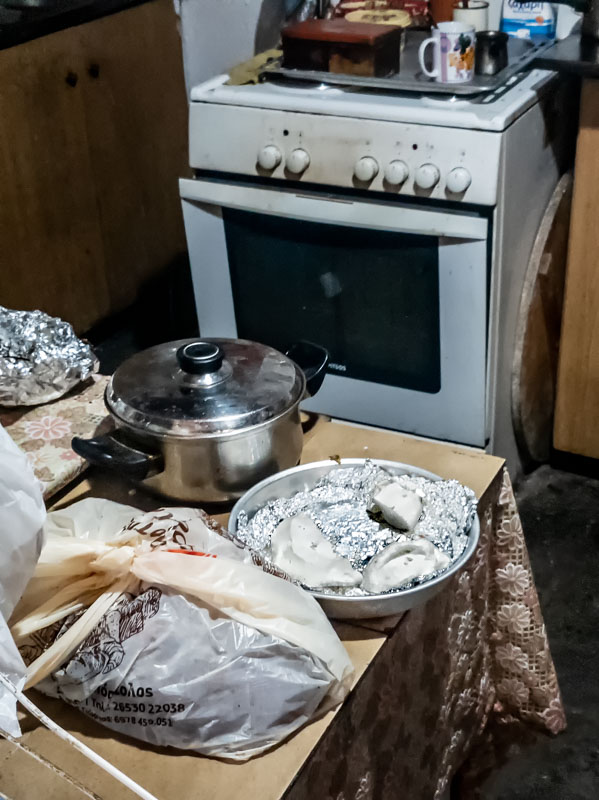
<point x="453" y="53"/>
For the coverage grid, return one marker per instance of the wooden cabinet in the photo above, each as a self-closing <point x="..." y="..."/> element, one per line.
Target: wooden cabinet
<point x="93" y="137"/>
<point x="577" y="407"/>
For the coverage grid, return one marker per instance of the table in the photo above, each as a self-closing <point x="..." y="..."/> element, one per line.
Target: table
<point x="431" y="687"/>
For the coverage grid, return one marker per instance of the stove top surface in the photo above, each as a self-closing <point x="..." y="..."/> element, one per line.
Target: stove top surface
<point x="410" y="78"/>
<point x="492" y="111"/>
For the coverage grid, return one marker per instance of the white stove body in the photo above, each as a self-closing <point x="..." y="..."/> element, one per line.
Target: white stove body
<point x="251" y="27"/>
<point x="501" y="159"/>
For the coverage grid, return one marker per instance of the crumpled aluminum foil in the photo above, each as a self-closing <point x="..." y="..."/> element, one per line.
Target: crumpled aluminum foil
<point x="41" y="358"/>
<point x="338" y="505"/>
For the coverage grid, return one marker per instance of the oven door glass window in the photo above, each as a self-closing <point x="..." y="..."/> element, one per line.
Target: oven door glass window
<point x="370" y="297"/>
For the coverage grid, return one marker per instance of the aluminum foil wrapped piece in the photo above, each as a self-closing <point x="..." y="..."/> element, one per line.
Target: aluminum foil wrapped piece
<point x="41" y="358"/>
<point x="338" y="505"/>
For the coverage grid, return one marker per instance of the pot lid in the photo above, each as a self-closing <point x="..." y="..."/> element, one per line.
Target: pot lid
<point x="203" y="386"/>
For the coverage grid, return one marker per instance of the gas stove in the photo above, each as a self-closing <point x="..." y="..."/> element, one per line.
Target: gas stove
<point x="394" y="229"/>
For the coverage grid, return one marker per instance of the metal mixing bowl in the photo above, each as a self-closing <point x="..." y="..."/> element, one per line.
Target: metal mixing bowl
<point x="297" y="479"/>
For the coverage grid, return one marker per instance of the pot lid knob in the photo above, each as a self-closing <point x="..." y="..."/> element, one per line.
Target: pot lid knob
<point x="200" y="358"/>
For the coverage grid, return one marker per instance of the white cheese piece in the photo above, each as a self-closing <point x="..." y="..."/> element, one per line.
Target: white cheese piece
<point x="400" y="563"/>
<point x="399" y="507"/>
<point x="299" y="548"/>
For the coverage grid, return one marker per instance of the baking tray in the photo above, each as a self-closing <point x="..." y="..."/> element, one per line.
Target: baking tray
<point x="521" y="52"/>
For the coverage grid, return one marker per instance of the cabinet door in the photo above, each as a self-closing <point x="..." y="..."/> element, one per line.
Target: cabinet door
<point x="93" y="137"/>
<point x="577" y="407"/>
<point x="136" y="127"/>
<point x="51" y="252"/>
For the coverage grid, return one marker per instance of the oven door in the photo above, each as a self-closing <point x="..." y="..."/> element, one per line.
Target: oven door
<point x="396" y="293"/>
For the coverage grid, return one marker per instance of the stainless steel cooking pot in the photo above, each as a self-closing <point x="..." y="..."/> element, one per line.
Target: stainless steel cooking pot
<point x="204" y="420"/>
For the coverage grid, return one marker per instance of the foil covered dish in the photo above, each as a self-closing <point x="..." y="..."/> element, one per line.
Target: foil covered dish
<point x="366" y="537"/>
<point x="41" y="358"/>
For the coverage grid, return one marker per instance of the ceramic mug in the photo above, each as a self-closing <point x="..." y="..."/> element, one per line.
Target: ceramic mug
<point x="476" y="13"/>
<point x="453" y="53"/>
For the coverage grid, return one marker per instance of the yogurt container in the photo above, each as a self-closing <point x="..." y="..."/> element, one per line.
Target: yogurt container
<point x="528" y="20"/>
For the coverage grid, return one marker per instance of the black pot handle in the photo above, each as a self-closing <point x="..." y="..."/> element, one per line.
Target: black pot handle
<point x="112" y="452"/>
<point x="313" y="359"/>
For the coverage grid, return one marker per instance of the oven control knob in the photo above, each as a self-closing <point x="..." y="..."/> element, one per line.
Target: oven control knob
<point x="427" y="176"/>
<point x="269" y="157"/>
<point x="458" y="180"/>
<point x="297" y="161"/>
<point x="396" y="172"/>
<point x="366" y="169"/>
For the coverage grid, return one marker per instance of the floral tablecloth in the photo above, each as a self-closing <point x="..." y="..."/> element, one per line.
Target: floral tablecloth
<point x="473" y="661"/>
<point x="45" y="432"/>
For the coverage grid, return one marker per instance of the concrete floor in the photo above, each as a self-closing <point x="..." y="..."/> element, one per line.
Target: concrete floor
<point x="560" y="515"/>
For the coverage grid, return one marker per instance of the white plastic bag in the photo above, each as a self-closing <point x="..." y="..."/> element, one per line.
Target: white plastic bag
<point x="168" y="632"/>
<point x="22" y="514"/>
<point x="12" y="669"/>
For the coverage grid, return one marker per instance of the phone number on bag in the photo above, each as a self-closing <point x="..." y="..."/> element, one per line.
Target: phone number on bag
<point x="151" y="708"/>
<point x="156" y="722"/>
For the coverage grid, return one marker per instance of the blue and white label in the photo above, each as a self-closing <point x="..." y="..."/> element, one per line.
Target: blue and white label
<point x="528" y="19"/>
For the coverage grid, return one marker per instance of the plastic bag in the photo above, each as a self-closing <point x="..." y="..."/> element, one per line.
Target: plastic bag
<point x="168" y="632"/>
<point x="12" y="670"/>
<point x="22" y="514"/>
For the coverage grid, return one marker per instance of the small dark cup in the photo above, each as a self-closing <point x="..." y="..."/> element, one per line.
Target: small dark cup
<point x="490" y="55"/>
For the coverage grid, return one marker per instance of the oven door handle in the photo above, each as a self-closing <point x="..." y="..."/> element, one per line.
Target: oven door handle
<point x="426" y="221"/>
